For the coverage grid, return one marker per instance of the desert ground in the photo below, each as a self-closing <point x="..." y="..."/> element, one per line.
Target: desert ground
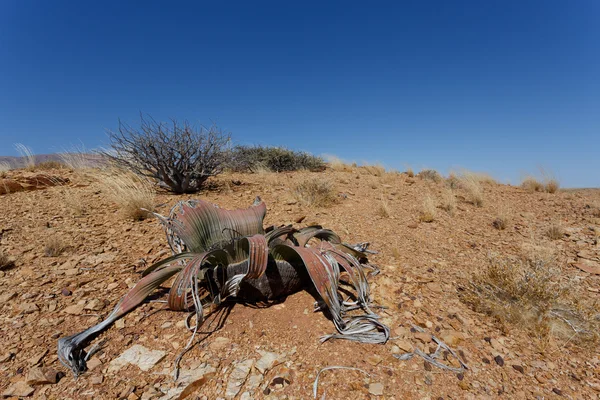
<point x="71" y="253"/>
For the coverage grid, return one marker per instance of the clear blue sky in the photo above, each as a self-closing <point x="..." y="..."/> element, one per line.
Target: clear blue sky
<point x="498" y="86"/>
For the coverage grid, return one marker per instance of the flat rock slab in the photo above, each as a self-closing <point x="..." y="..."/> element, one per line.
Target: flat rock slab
<point x="138" y="355"/>
<point x="238" y="377"/>
<point x="19" y="389"/>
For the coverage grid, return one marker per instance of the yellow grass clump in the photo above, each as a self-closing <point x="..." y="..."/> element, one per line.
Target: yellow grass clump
<point x="448" y="202"/>
<point x="555" y="231"/>
<point x="502" y="219"/>
<point x="528" y="292"/>
<point x="55" y="246"/>
<point x="315" y="192"/>
<point x="428" y="210"/>
<point x="133" y="194"/>
<point x="472" y="185"/>
<point x="383" y="210"/>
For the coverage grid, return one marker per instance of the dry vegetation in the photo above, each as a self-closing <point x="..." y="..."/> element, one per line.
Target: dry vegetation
<point x="55" y="246"/>
<point x="134" y="195"/>
<point x="375" y="170"/>
<point x="448" y="202"/>
<point x="471" y="183"/>
<point x="383" y="210"/>
<point x="27" y="154"/>
<point x="555" y="231"/>
<point x="315" y="192"/>
<point x="528" y="292"/>
<point x="431" y="175"/>
<point x="428" y="210"/>
<point x="547" y="184"/>
<point x="502" y="219"/>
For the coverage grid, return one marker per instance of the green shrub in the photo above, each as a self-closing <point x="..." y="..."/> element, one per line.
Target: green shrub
<point x="275" y="159"/>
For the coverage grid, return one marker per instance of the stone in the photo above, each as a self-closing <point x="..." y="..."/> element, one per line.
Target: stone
<point x="376" y="389"/>
<point x="94" y="305"/>
<point x="219" y="343"/>
<point x="18" y="389"/>
<point x="238" y="377"/>
<point x="28" y="308"/>
<point x="75" y="309"/>
<point x="93" y="363"/>
<point x="423" y="337"/>
<point x="138" y="355"/>
<point x="499" y="360"/>
<point x="267" y="360"/>
<point x="374" y="359"/>
<point x="35" y="359"/>
<point x="588" y="266"/>
<point x="404" y="345"/>
<point x="42" y="376"/>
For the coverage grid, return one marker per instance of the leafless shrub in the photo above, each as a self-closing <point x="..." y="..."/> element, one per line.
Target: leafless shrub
<point x="55" y="246"/>
<point x="27" y="155"/>
<point x="555" y="231"/>
<point x="428" y="210"/>
<point x="430" y="174"/>
<point x="315" y="192"/>
<point x="180" y="156"/>
<point x="132" y="193"/>
<point x="527" y="292"/>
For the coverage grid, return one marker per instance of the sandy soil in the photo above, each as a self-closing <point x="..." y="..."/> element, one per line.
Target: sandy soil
<point x="423" y="265"/>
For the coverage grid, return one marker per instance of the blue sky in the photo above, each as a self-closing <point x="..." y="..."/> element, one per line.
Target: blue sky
<point x="499" y="86"/>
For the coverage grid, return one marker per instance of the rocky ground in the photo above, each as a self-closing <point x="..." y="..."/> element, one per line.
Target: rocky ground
<point x="274" y="352"/>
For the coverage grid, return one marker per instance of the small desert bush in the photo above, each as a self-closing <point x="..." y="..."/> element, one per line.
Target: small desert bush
<point x="274" y="159"/>
<point x="133" y="194"/>
<point x="410" y="172"/>
<point x="481" y="177"/>
<point x="555" y="231"/>
<point x="448" y="202"/>
<point x="55" y="246"/>
<point x="547" y="184"/>
<point x="453" y="181"/>
<point x="528" y="292"/>
<point x="428" y="210"/>
<point x="315" y="192"/>
<point x="431" y="175"/>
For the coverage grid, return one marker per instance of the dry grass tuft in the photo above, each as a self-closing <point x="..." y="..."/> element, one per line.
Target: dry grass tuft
<point x="337" y="164"/>
<point x="428" y="210"/>
<point x="6" y="262"/>
<point x="131" y="193"/>
<point x="54" y="246"/>
<point x="48" y="165"/>
<point x="532" y="185"/>
<point x="555" y="231"/>
<point x="410" y="172"/>
<point x="527" y="292"/>
<point x="448" y="202"/>
<point x="472" y="186"/>
<point x="383" y="210"/>
<point x="315" y="193"/>
<point x="431" y="175"/>
<point x="27" y="154"/>
<point x="502" y="219"/>
<point x="375" y="170"/>
<point x="551" y="186"/>
<point x="5" y="166"/>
